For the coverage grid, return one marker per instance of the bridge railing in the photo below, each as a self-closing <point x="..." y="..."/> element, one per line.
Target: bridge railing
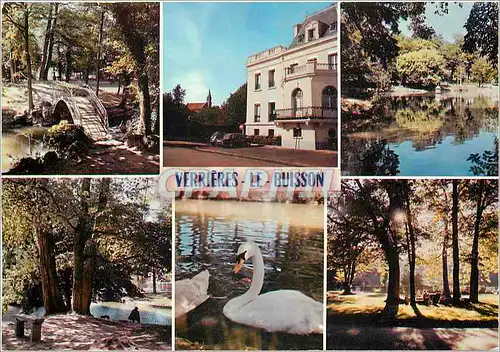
<point x="98" y="107"/>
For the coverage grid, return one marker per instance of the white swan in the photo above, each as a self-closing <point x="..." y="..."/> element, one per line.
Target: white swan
<point x="277" y="311"/>
<point x="190" y="293"/>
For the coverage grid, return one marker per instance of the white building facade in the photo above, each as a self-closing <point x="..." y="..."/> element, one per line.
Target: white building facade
<point x="292" y="92"/>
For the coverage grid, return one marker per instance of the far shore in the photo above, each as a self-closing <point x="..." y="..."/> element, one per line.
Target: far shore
<point x="468" y="90"/>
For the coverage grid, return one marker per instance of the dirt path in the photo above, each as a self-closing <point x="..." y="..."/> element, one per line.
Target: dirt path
<point x="112" y="157"/>
<point x="74" y="332"/>
<point x="404" y="338"/>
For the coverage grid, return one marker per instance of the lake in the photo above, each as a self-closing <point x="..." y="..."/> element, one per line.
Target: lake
<point x="117" y="311"/>
<point x="429" y="135"/>
<point x="208" y="234"/>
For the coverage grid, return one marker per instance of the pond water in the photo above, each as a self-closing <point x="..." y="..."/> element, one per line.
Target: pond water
<point x="424" y="135"/>
<point x="20" y="143"/>
<point x="120" y="311"/>
<point x="208" y="234"/>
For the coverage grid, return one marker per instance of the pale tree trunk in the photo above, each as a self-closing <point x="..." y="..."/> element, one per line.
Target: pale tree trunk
<point x="444" y="254"/>
<point x="28" y="57"/>
<point x="456" y="253"/>
<point x="98" y="76"/>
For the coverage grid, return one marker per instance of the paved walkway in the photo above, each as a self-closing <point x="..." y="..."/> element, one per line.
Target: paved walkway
<point x="275" y="156"/>
<point x="190" y="157"/>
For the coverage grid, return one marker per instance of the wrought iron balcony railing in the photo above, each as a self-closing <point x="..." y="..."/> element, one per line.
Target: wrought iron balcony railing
<point x="309" y="112"/>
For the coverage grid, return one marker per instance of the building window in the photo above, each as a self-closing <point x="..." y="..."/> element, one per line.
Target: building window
<point x="332" y="61"/>
<point x="333" y="26"/>
<point x="272" y="111"/>
<point x="297" y="102"/>
<point x="271" y="79"/>
<point x="329" y="98"/>
<point x="256" y="132"/>
<point x="271" y="132"/>
<point x="293" y="68"/>
<point x="257" y="81"/>
<point x="310" y="34"/>
<point x="256" y="113"/>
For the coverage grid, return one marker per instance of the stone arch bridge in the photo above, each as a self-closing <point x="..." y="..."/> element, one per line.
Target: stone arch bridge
<point x="80" y="106"/>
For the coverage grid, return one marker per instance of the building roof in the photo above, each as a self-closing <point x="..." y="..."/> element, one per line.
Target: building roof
<point x="327" y="16"/>
<point x="196" y="106"/>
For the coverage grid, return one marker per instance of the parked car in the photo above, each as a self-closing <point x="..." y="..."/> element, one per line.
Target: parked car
<point x="231" y="140"/>
<point x="216" y="138"/>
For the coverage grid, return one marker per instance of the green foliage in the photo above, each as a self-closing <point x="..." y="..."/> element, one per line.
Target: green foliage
<point x="236" y="107"/>
<point x="407" y="45"/>
<point x="485" y="164"/>
<point x="65" y="137"/>
<point x="481" y="71"/>
<point x="482" y="31"/>
<point x="264" y="140"/>
<point x="368" y="36"/>
<point x="423" y="68"/>
<point x="131" y="236"/>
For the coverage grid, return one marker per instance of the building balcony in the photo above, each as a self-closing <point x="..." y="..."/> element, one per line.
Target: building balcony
<point x="306" y="113"/>
<point x="310" y="69"/>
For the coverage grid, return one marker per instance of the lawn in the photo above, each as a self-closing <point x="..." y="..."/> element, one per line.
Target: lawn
<point x="366" y="308"/>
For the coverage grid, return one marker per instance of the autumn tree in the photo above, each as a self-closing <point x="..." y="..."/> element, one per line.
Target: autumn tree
<point x="481" y="71"/>
<point x="485" y="194"/>
<point x="18" y="14"/>
<point x="139" y="26"/>
<point x="29" y="209"/>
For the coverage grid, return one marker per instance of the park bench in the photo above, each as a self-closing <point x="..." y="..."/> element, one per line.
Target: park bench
<point x="36" y="326"/>
<point x="429" y="299"/>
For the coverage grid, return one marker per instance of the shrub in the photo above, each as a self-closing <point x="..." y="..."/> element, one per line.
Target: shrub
<point x="265" y="140"/>
<point x="67" y="138"/>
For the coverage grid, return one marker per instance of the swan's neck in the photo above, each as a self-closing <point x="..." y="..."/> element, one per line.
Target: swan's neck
<point x="257" y="278"/>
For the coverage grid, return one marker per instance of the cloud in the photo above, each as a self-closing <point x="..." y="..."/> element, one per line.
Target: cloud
<point x="195" y="84"/>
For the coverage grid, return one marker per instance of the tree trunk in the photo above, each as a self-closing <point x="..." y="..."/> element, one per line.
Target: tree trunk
<point x="51" y="41"/>
<point x="43" y="59"/>
<point x="454" y="238"/>
<point x="84" y="263"/>
<point x="154" y="280"/>
<point x="144" y="98"/>
<point x="28" y="58"/>
<point x="411" y="247"/>
<point x="99" y="53"/>
<point x="52" y="298"/>
<point x="393" y="288"/>
<point x="444" y="254"/>
<point x="68" y="64"/>
<point x="12" y="67"/>
<point x="474" y="264"/>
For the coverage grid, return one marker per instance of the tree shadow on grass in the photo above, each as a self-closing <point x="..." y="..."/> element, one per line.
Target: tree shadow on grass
<point x="403" y="338"/>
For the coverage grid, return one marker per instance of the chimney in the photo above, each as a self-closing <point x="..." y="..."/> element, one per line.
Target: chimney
<point x="296" y="29"/>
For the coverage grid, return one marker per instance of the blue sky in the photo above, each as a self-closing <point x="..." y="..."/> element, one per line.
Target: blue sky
<point x="206" y="45"/>
<point x="448" y="25"/>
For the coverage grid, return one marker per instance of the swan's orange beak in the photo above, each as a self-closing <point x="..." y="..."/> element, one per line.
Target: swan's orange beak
<point x="238" y="266"/>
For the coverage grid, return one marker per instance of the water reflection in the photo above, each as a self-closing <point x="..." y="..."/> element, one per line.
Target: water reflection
<point x="430" y="136"/>
<point x="20" y="143"/>
<point x="121" y="311"/>
<point x="293" y="259"/>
